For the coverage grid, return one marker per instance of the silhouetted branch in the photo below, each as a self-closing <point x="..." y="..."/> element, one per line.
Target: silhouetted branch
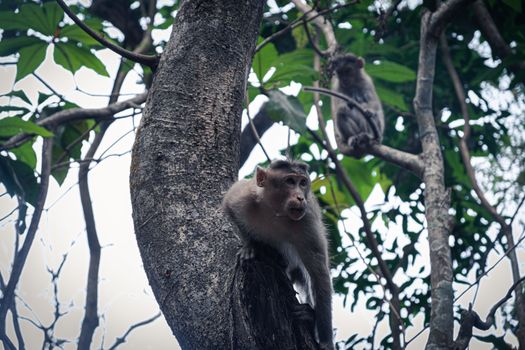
<point x="148" y="60"/>
<point x="21" y="256"/>
<point x="122" y="339"/>
<point x="73" y="114"/>
<point x="470" y="319"/>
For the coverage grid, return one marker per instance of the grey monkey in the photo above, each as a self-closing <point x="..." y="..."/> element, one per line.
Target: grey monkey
<point x="354" y="133"/>
<point x="277" y="207"/>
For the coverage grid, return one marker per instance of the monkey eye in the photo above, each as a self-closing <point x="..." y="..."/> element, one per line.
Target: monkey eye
<point x="303" y="183"/>
<point x="290" y="181"/>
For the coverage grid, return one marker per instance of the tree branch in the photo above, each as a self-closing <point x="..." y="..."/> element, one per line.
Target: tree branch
<point x="493" y="36"/>
<point x="122" y="339"/>
<point x="20" y="258"/>
<point x="372" y="241"/>
<point x="465" y="155"/>
<point x="400" y="158"/>
<point x="470" y="318"/>
<point x="91" y="319"/>
<point x="324" y="25"/>
<point x="73" y="114"/>
<point x="150" y="61"/>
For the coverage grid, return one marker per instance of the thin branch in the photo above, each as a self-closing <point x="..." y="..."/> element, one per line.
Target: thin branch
<point x="122" y="339"/>
<point x="493" y="36"/>
<point x="373" y="244"/>
<point x="446" y="11"/>
<point x="471" y="319"/>
<point x="148" y="60"/>
<point x="312" y="42"/>
<point x="252" y="126"/>
<point x="465" y="155"/>
<point x="20" y="259"/>
<point x="74" y="114"/>
<point x="321" y="23"/>
<point x="296" y="23"/>
<point x="475" y="283"/>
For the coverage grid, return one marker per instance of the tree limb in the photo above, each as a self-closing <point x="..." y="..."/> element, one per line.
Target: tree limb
<point x="465" y="155"/>
<point x="493" y="36"/>
<point x="74" y="114"/>
<point x="122" y="339"/>
<point x="20" y="259"/>
<point x="150" y="61"/>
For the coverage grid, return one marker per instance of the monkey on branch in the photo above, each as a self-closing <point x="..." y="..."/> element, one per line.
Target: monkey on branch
<point x="358" y="116"/>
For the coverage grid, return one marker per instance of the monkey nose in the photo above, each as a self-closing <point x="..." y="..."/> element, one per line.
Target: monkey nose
<point x="300" y="198"/>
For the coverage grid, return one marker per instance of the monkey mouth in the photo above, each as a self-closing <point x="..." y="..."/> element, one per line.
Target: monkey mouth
<point x="297" y="213"/>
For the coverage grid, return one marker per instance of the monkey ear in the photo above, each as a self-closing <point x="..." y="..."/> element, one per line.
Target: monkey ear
<point x="260" y="176"/>
<point x="360" y="62"/>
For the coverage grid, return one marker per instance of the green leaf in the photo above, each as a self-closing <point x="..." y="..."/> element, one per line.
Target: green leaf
<point x="54" y="15"/>
<point x="19" y="179"/>
<point x="74" y="32"/>
<point x="287" y="109"/>
<point x="72" y="57"/>
<point x="11" y="126"/>
<point x="391" y="71"/>
<point x="515" y="4"/>
<point x="25" y="153"/>
<point x="30" y="58"/>
<point x="20" y="94"/>
<point x="10" y="20"/>
<point x="392" y="98"/>
<point x="11" y="46"/>
<point x="35" y="15"/>
<point x="263" y="60"/>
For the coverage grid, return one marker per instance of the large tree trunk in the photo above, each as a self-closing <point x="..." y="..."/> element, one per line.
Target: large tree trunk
<point x="185" y="156"/>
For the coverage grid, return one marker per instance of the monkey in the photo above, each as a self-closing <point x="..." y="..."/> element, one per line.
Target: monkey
<point x="354" y="133"/>
<point x="277" y="207"/>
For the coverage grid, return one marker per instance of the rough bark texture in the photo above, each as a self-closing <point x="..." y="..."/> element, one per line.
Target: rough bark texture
<point x="437" y="202"/>
<point x="185" y="156"/>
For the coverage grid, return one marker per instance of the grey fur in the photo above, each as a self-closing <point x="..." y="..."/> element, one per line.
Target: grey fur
<point x="353" y="131"/>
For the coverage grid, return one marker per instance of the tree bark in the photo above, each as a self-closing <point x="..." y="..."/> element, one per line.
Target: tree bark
<point x="185" y="156"/>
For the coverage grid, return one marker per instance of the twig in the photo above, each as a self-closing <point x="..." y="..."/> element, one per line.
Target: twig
<point x="252" y="126"/>
<point x="122" y="339"/>
<point x="470" y="318"/>
<point x="20" y="259"/>
<point x="148" y="60"/>
<point x="73" y="114"/>
<point x="298" y="21"/>
<point x="465" y="155"/>
<point x="476" y="282"/>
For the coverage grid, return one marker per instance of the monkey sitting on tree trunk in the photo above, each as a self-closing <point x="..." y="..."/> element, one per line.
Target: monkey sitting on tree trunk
<point x="355" y="130"/>
<point x="278" y="208"/>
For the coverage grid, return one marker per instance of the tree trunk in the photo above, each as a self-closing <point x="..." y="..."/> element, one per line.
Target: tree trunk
<point x="185" y="156"/>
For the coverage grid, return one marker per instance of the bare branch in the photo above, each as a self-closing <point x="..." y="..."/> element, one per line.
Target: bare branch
<point x="20" y="259"/>
<point x="372" y="241"/>
<point x="446" y="11"/>
<point x="320" y="22"/>
<point x="470" y="318"/>
<point x="465" y="155"/>
<point x="252" y="126"/>
<point x="148" y="60"/>
<point x="73" y="114"/>
<point x="299" y="20"/>
<point x="493" y="36"/>
<point x="121" y="340"/>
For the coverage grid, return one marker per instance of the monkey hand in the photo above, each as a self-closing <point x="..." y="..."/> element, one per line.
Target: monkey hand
<point x="247" y="252"/>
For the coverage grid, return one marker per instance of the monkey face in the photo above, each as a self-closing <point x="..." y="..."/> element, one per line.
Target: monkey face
<point x="285" y="190"/>
<point x="295" y="189"/>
